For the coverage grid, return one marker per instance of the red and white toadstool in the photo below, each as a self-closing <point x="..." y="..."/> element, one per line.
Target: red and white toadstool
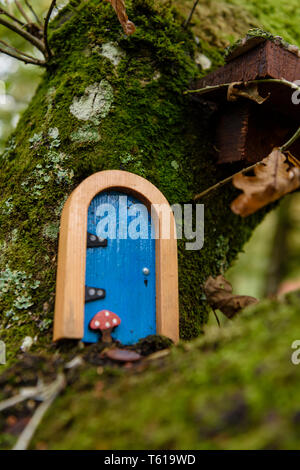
<point x="105" y="321"/>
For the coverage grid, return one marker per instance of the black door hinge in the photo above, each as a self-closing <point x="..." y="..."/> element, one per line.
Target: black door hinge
<point x="95" y="242"/>
<point x="94" y="293"/>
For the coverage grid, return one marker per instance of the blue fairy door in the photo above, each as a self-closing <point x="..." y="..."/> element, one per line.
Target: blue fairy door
<point x="120" y="267"/>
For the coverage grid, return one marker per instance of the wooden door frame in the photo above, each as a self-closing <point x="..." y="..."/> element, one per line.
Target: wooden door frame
<point x="70" y="302"/>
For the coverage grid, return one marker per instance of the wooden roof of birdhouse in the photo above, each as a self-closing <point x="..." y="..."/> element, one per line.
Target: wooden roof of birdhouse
<point x="255" y="127"/>
<point x="268" y="59"/>
<point x="256" y="58"/>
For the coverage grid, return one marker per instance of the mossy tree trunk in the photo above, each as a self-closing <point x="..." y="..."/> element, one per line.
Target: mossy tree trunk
<point x="108" y="101"/>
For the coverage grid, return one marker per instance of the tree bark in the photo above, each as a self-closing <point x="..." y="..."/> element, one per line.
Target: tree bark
<point x="108" y="101"/>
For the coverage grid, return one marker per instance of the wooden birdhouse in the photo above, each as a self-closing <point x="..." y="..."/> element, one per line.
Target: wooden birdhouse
<point x="248" y="131"/>
<point x="123" y="284"/>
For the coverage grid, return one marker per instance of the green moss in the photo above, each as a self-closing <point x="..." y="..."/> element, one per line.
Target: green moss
<point x="135" y="118"/>
<point x="236" y="388"/>
<point x="221" y="22"/>
<point x="253" y="37"/>
<point x="279" y="17"/>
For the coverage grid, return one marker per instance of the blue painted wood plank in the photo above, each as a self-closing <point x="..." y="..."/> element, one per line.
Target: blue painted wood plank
<point x="118" y="269"/>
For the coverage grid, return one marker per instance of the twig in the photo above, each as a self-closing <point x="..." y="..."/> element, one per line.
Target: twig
<point x="12" y="17"/>
<point x="9" y="6"/>
<point x="25" y="31"/>
<point x="29" y="37"/>
<point x="291" y="141"/>
<point x="25" y="394"/>
<point x="26" y="436"/>
<point x="23" y="58"/>
<point x="217" y="318"/>
<point x="20" y="8"/>
<point x="16" y="50"/>
<point x="48" y="50"/>
<point x="223" y="182"/>
<point x="34" y="13"/>
<point x="10" y="402"/>
<point x="245" y="170"/>
<point x="208" y="89"/>
<point x="187" y="22"/>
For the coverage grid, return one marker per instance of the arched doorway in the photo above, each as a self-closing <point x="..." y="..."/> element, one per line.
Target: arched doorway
<point x="146" y="269"/>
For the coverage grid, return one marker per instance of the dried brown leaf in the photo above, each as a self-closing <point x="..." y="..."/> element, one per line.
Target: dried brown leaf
<point x="273" y="179"/>
<point x="219" y="295"/>
<point x="120" y="9"/>
<point x="293" y="160"/>
<point x="240" y="89"/>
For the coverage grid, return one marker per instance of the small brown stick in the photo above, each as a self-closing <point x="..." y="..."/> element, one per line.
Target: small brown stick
<point x="48" y="50"/>
<point x="20" y="8"/>
<point x="225" y="181"/>
<point x="217" y="318"/>
<point x="13" y="401"/>
<point x="187" y="22"/>
<point x="54" y="389"/>
<point x="24" y="34"/>
<point x="34" y="13"/>
<point x="12" y="17"/>
<point x="16" y="50"/>
<point x="207" y="89"/>
<point x="291" y="141"/>
<point x="23" y="58"/>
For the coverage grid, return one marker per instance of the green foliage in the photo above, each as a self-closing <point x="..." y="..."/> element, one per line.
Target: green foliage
<point x="20" y="79"/>
<point x="277" y="16"/>
<point x="221" y="22"/>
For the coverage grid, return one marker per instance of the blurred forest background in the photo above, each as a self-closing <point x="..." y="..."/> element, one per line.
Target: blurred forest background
<point x="20" y="80"/>
<point x="270" y="262"/>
